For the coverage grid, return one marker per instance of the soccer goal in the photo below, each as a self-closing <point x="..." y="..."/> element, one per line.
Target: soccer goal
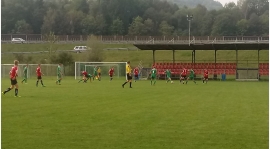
<point x="247" y="74"/>
<point x="119" y="68"/>
<point x="47" y="69"/>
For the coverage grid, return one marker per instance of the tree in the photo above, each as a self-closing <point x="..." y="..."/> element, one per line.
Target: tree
<point x="264" y="19"/>
<point x="38" y="13"/>
<point x="75" y="18"/>
<point x="64" y="58"/>
<point x="230" y="5"/>
<point x="165" y="28"/>
<point x="49" y="23"/>
<point x="133" y="17"/>
<point x="255" y="25"/>
<point x="96" y="51"/>
<point x="149" y="27"/>
<point x="51" y="39"/>
<point x="117" y="27"/>
<point x="224" y="25"/>
<point x="88" y="25"/>
<point x="242" y="27"/>
<point x="207" y="23"/>
<point x="21" y="27"/>
<point x="101" y="25"/>
<point x="136" y="26"/>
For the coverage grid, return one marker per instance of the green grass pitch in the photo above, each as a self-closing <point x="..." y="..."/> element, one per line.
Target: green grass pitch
<point x="102" y="114"/>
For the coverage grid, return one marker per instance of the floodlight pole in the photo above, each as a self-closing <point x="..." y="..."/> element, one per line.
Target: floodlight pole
<point x="189" y="18"/>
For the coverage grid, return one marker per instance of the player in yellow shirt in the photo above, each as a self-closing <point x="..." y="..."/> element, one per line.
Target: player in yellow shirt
<point x="129" y="75"/>
<point x="99" y="73"/>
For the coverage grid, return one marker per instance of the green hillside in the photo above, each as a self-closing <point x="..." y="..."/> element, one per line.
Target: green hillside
<point x="133" y="54"/>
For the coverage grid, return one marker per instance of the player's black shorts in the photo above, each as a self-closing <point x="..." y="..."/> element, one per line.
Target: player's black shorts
<point x="99" y="74"/>
<point x="39" y="77"/>
<point x="13" y="82"/>
<point x="184" y="76"/>
<point x="136" y="76"/>
<point x="111" y="75"/>
<point x="129" y="77"/>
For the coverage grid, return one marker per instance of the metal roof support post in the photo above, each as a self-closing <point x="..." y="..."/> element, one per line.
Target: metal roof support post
<point x="194" y="55"/>
<point x="215" y="58"/>
<point x="154" y="57"/>
<point x="236" y="63"/>
<point x="173" y="57"/>
<point x="258" y="58"/>
<point x="236" y="55"/>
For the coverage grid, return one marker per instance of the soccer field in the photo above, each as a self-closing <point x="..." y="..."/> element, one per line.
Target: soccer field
<point x="102" y="114"/>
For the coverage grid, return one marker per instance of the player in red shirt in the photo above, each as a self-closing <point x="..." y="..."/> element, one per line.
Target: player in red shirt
<point x="86" y="77"/>
<point x="183" y="75"/>
<point x="39" y="74"/>
<point x="136" y="73"/>
<point x="13" y="79"/>
<point x="205" y="76"/>
<point x="111" y="72"/>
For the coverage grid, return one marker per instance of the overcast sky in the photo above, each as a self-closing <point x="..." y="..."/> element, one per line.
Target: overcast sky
<point x="223" y="2"/>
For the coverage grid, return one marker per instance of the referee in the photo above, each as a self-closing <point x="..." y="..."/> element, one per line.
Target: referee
<point x="129" y="75"/>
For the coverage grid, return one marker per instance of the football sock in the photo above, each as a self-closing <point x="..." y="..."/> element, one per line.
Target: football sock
<point x="124" y="83"/>
<point x="154" y="82"/>
<point x="151" y="82"/>
<point x="85" y="80"/>
<point x="59" y="81"/>
<point x="202" y="81"/>
<point x="195" y="82"/>
<point x="8" y="89"/>
<point x="23" y="80"/>
<point x="129" y="84"/>
<point x="16" y="92"/>
<point x="41" y="82"/>
<point x="37" y="83"/>
<point x="206" y="81"/>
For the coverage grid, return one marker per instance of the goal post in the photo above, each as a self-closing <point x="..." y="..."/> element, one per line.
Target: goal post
<point x="119" y="68"/>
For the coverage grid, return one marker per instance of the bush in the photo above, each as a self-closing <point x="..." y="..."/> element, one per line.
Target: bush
<point x="66" y="59"/>
<point x="96" y="51"/>
<point x="19" y="57"/>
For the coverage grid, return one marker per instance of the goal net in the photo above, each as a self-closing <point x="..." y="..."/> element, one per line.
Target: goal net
<point x="47" y="69"/>
<point x="247" y="74"/>
<point x="119" y="68"/>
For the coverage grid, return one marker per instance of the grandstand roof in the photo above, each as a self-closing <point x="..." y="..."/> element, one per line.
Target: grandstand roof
<point x="206" y="46"/>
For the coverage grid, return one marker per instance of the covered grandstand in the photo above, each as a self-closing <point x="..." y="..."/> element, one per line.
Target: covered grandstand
<point x="214" y="68"/>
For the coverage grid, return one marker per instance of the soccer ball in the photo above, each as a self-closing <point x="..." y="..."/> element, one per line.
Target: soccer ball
<point x="172" y="82"/>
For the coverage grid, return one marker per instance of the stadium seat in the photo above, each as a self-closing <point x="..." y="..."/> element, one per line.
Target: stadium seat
<point x="211" y="66"/>
<point x="196" y="66"/>
<point x="260" y="66"/>
<point x="265" y="65"/>
<point x="197" y="71"/>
